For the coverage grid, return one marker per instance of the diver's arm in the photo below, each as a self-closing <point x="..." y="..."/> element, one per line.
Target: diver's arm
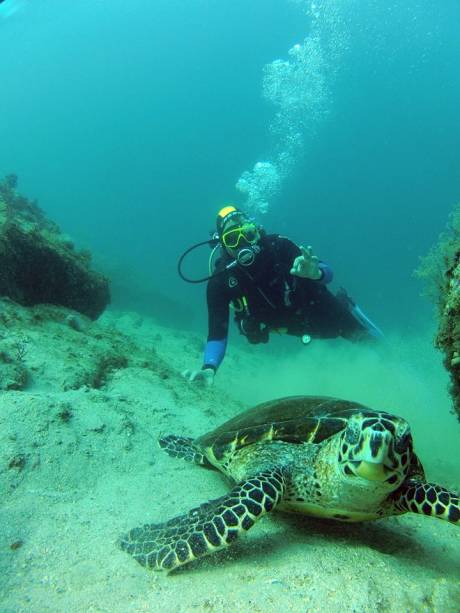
<point x="327" y="273"/>
<point x="214" y="353"/>
<point x="218" y="316"/>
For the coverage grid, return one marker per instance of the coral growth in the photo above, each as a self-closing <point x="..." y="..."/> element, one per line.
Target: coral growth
<point x="441" y="269"/>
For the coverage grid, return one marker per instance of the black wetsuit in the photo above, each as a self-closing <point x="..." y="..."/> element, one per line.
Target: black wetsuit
<point x="266" y="296"/>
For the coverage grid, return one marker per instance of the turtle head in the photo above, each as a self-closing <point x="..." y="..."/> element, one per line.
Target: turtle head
<point x="376" y="448"/>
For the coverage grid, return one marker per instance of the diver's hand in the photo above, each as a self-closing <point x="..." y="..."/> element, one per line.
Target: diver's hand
<point x="205" y="376"/>
<point x="306" y="265"/>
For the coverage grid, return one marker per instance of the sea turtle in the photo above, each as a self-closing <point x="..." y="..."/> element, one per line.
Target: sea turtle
<point x="315" y="455"/>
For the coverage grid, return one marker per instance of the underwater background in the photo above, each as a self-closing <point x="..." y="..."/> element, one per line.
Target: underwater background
<point x="132" y="122"/>
<point x="334" y="122"/>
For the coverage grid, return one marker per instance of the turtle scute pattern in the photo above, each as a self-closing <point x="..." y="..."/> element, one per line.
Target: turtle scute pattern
<point x="207" y="528"/>
<point x="429" y="499"/>
<point x="319" y="456"/>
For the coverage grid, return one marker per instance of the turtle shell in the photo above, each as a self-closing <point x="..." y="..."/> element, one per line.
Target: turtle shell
<point x="295" y="419"/>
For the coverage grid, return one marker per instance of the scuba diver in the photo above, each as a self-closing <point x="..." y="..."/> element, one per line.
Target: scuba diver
<point x="273" y="286"/>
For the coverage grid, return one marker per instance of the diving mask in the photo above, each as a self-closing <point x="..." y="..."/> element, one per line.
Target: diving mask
<point x="232" y="238"/>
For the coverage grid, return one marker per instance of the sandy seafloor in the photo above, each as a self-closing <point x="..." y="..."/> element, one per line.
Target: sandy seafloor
<point x="79" y="466"/>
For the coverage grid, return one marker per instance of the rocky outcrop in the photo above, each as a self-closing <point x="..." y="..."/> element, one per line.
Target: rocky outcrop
<point x="441" y="269"/>
<point x="48" y="347"/>
<point x="448" y="337"/>
<point x="39" y="264"/>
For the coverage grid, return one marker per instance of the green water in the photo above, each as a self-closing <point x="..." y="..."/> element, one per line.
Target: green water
<point x="132" y="123"/>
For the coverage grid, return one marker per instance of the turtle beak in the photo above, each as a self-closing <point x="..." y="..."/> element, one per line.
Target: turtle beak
<point x="372" y="471"/>
<point x="372" y="462"/>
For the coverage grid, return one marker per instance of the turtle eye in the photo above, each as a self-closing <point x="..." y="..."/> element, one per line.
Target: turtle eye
<point x="352" y="435"/>
<point x="403" y="442"/>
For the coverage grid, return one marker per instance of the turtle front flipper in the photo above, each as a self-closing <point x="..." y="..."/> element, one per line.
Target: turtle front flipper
<point x="207" y="528"/>
<point x="428" y="499"/>
<point x="182" y="447"/>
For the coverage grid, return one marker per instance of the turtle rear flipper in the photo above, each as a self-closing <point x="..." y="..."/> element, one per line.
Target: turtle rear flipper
<point x="428" y="499"/>
<point x="207" y="528"/>
<point x="183" y="447"/>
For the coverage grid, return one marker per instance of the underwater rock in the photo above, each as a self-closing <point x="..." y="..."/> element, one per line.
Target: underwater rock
<point x="39" y="264"/>
<point x="40" y="350"/>
<point x="441" y="268"/>
<point x="448" y="337"/>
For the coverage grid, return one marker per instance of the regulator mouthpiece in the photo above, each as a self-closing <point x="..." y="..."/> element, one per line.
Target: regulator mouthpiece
<point x="247" y="255"/>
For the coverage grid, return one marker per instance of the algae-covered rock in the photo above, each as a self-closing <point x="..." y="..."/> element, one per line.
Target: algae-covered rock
<point x="39" y="264"/>
<point x="448" y="338"/>
<point x="441" y="269"/>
